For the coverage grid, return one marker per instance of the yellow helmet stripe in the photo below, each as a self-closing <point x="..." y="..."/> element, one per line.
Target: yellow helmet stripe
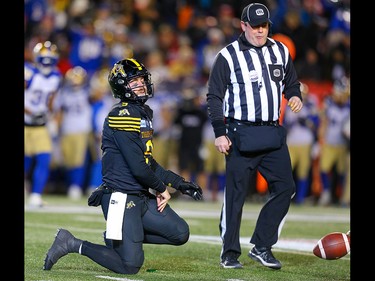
<point x="136" y="63"/>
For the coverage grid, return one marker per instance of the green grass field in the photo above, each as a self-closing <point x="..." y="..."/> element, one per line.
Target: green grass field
<point x="198" y="259"/>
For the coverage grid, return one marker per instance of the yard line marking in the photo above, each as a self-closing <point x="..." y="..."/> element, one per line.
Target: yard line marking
<point x="116" y="278"/>
<point x="304" y="245"/>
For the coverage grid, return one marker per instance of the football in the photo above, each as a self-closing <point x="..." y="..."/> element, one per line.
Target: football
<point x="332" y="246"/>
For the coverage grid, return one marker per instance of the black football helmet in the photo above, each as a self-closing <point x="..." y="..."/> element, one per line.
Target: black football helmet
<point x="122" y="72"/>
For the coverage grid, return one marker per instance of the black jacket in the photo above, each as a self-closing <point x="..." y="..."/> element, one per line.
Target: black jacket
<point x="127" y="162"/>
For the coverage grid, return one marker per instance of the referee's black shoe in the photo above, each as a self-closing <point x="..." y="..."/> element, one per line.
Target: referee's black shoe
<point x="64" y="243"/>
<point x="265" y="257"/>
<point x="230" y="262"/>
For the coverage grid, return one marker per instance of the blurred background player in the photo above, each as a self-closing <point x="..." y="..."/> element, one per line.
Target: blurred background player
<point x="42" y="81"/>
<point x="190" y="119"/>
<point x="345" y="198"/>
<point x="101" y="101"/>
<point x="301" y="136"/>
<point x="74" y="121"/>
<point x="214" y="166"/>
<point x="165" y="103"/>
<point x="333" y="153"/>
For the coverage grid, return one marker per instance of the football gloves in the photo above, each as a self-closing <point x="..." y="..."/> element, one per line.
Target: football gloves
<point x="191" y="189"/>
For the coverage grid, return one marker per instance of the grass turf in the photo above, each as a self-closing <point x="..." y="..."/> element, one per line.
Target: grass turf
<point x="198" y="261"/>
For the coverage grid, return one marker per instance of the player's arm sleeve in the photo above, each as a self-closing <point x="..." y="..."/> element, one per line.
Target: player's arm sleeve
<point x="126" y="136"/>
<point x="168" y="177"/>
<point x="217" y="85"/>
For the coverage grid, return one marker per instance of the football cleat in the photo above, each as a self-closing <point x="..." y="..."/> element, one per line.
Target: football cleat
<point x="265" y="257"/>
<point x="64" y="243"/>
<point x="230" y="262"/>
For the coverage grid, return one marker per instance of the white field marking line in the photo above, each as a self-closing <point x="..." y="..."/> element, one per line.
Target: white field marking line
<point x="304" y="245"/>
<point x="126" y="279"/>
<point x="116" y="278"/>
<point x="299" y="245"/>
<point x="191" y="213"/>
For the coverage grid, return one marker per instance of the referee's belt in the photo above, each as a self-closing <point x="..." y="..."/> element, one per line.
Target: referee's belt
<point x="249" y="123"/>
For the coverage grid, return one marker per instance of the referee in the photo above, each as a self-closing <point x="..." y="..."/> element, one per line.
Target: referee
<point x="244" y="98"/>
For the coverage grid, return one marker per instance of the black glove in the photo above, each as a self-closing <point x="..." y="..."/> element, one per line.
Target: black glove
<point x="39" y="119"/>
<point x="191" y="189"/>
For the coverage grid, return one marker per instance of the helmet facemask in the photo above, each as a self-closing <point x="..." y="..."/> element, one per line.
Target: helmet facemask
<point x="130" y="92"/>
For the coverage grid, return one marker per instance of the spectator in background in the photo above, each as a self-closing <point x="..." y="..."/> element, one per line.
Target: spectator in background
<point x="42" y="82"/>
<point x="292" y="27"/>
<point x="34" y="13"/>
<point x="167" y="41"/>
<point x="209" y="51"/>
<point x="87" y="48"/>
<point x="333" y="153"/>
<point x="228" y="23"/>
<point x="197" y="31"/>
<point x="120" y="45"/>
<point x="310" y="68"/>
<point x="74" y="120"/>
<point x="184" y="64"/>
<point x="144" y="38"/>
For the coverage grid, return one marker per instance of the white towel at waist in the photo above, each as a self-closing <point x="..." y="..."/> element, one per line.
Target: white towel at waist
<point x="115" y="215"/>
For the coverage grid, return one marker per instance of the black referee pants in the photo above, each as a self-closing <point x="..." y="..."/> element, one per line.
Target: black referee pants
<point x="275" y="166"/>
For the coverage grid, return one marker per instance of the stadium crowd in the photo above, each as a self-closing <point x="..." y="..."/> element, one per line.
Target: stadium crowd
<point x="178" y="41"/>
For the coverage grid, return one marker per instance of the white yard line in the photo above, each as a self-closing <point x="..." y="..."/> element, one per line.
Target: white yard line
<point x="300" y="245"/>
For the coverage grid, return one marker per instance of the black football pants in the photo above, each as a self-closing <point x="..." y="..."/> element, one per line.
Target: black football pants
<point x="142" y="223"/>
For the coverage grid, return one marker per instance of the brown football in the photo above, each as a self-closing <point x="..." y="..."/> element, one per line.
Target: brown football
<point x="332" y="246"/>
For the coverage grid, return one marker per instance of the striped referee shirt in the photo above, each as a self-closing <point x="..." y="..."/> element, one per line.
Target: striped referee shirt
<point x="246" y="83"/>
